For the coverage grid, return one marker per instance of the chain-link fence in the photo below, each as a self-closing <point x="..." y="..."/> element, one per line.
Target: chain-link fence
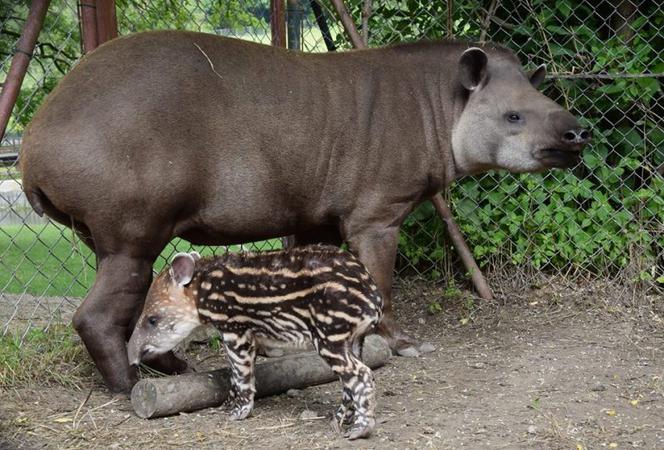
<point x="604" y="218"/>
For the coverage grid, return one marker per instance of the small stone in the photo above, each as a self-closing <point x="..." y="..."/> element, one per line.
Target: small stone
<point x="294" y="393"/>
<point x="426" y="347"/>
<point x="598" y="388"/>
<point x="532" y="429"/>
<point x="408" y="352"/>
<point x="308" y="414"/>
<point x="478" y="365"/>
<point x="421" y="321"/>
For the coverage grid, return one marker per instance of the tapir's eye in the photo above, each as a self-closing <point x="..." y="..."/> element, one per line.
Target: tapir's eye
<point x="152" y="320"/>
<point x="513" y="117"/>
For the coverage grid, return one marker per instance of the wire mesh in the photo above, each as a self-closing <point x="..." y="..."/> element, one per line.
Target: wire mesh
<point x="604" y="218"/>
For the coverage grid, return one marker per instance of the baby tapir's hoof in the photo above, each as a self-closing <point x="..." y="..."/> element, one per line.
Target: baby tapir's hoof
<point x="359" y="432"/>
<point x="362" y="428"/>
<point x="240" y="412"/>
<point x="239" y="408"/>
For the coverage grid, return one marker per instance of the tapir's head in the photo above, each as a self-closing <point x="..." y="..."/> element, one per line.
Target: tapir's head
<point x="170" y="312"/>
<point x="505" y="122"/>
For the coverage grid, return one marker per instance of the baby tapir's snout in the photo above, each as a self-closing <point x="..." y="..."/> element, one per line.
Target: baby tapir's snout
<point x="169" y="315"/>
<point x="318" y="294"/>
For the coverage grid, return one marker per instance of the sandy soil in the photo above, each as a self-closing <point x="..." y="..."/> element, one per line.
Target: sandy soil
<point x="545" y="368"/>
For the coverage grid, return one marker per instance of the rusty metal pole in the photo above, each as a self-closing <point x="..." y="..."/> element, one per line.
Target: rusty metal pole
<point x="439" y="203"/>
<point x="87" y="16"/>
<point x="277" y="23"/>
<point x="107" y="24"/>
<point x="21" y="60"/>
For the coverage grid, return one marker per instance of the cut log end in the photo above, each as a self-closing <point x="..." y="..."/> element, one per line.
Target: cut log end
<point x="144" y="399"/>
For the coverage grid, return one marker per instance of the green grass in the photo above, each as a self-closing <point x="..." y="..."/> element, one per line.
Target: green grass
<point x="46" y="260"/>
<point x="9" y="173"/>
<point x="41" y="260"/>
<point x="43" y="357"/>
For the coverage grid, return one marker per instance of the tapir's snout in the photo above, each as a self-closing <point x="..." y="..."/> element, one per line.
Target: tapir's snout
<point x="567" y="140"/>
<point x="135" y="360"/>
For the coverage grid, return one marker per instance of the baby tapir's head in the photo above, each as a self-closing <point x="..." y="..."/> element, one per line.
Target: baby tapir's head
<point x="169" y="314"/>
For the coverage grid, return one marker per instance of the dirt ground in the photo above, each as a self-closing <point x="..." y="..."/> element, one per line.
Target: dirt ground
<point x="553" y="367"/>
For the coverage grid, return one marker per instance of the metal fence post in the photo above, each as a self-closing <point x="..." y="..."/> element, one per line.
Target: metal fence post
<point x="21" y="60"/>
<point x="294" y="23"/>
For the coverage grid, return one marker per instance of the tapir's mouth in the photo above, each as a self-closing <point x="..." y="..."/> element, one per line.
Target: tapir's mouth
<point x="557" y="157"/>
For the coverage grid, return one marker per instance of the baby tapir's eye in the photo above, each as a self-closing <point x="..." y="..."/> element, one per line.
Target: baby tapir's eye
<point x="513" y="117"/>
<point x="152" y="320"/>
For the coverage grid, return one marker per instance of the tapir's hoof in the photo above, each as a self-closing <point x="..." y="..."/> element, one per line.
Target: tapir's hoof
<point x="403" y="344"/>
<point x="240" y="412"/>
<point x="360" y="431"/>
<point x="412" y="351"/>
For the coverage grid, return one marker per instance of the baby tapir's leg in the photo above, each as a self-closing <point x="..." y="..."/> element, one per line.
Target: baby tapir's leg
<point x="358" y="402"/>
<point x="241" y="351"/>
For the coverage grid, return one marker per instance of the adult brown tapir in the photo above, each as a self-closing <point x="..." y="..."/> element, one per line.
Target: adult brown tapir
<point x="221" y="141"/>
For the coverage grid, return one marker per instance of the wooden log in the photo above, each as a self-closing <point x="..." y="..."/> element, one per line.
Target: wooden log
<point x="158" y="397"/>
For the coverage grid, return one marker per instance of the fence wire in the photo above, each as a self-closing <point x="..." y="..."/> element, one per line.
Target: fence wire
<point x="603" y="219"/>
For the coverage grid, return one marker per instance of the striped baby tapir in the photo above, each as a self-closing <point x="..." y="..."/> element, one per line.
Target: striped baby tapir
<point x="319" y="294"/>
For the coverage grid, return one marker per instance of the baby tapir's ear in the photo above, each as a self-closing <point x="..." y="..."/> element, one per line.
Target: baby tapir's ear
<point x="195" y="255"/>
<point x="182" y="268"/>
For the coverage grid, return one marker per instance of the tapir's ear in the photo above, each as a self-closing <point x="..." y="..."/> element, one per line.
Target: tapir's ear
<point x="472" y="68"/>
<point x="538" y="75"/>
<point x="182" y="268"/>
<point x="195" y="255"/>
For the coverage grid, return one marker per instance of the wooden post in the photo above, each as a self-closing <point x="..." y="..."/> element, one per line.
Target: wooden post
<point x="21" y="60"/>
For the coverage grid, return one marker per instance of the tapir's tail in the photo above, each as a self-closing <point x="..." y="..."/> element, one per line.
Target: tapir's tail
<point x="35" y="197"/>
<point x="42" y="204"/>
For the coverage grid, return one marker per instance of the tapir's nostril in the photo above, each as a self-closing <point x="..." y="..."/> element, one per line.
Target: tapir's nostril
<point x="576" y="136"/>
<point x="570" y="136"/>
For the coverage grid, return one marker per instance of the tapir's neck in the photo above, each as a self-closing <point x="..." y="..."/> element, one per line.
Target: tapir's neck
<point x="393" y="122"/>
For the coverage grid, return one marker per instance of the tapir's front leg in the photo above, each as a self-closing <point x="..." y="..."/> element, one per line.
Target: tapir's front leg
<point x="241" y="353"/>
<point x="377" y="249"/>
<point x="105" y="319"/>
